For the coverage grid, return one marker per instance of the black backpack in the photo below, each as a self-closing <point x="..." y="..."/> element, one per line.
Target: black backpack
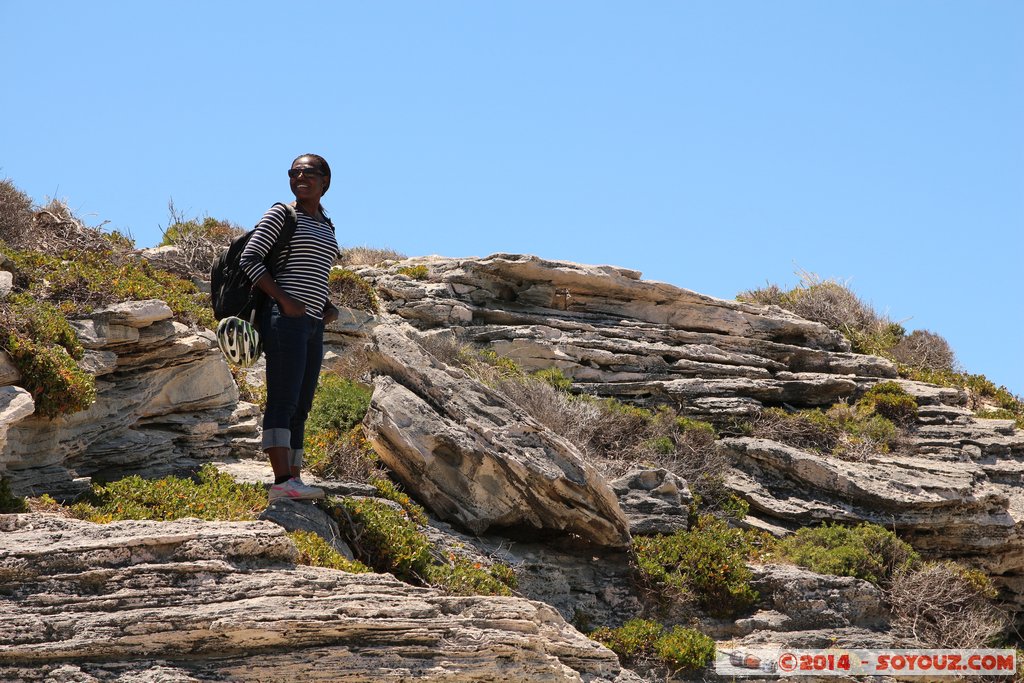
<point x="231" y="291"/>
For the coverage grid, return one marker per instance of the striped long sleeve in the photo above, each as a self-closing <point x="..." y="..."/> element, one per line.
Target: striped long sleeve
<point x="303" y="274"/>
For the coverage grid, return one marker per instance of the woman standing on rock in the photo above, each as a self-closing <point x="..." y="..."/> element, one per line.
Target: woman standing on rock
<point x="292" y="326"/>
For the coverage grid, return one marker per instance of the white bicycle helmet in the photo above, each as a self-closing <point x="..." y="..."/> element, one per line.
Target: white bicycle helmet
<point x="239" y="341"/>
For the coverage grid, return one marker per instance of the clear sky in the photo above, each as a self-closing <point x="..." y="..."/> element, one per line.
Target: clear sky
<point x="717" y="145"/>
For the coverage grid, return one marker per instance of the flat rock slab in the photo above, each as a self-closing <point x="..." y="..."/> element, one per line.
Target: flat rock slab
<point x="223" y="601"/>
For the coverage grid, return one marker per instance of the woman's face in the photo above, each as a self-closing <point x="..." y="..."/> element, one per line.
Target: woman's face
<point x="306" y="180"/>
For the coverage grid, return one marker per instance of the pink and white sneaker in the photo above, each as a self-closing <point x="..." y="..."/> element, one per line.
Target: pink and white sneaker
<point x="294" y="489"/>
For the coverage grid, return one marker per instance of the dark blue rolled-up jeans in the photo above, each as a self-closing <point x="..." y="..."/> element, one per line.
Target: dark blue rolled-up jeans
<point x="295" y="351"/>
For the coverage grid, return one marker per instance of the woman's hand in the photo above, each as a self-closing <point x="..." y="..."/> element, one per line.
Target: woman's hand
<point x="291" y="308"/>
<point x="331" y="314"/>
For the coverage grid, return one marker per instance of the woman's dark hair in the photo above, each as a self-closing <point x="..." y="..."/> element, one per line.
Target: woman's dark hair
<point x="322" y="164"/>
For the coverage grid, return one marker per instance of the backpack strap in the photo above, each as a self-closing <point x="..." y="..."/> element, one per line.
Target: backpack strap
<point x="284" y="239"/>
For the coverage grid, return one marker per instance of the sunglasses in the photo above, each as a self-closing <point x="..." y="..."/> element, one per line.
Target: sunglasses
<point x="296" y="172"/>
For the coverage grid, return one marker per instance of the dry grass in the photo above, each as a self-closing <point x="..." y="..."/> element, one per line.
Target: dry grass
<point x="54" y="229"/>
<point x="15" y="213"/>
<point x="942" y="605"/>
<point x="368" y="256"/>
<point x="924" y="350"/>
<point x="614" y="436"/>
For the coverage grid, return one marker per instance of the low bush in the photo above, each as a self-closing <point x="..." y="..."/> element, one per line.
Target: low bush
<point x="382" y="537"/>
<point x="925" y="350"/>
<point x="891" y="401"/>
<point x="459" y="576"/>
<point x="79" y="282"/>
<point x="420" y="272"/>
<point x="706" y="563"/>
<point x="346" y="456"/>
<point x="198" y="242"/>
<point x="15" y="213"/>
<point x="834" y="304"/>
<point x="944" y="605"/>
<point x="351" y="290"/>
<point x="53" y="229"/>
<point x="844" y="431"/>
<point x="314" y="551"/>
<point x="368" y="256"/>
<point x="338" y="404"/>
<point x="45" y="349"/>
<point x="10" y="503"/>
<point x="644" y="643"/>
<point x="212" y="495"/>
<point x="555" y="377"/>
<point x="390" y="540"/>
<point x="866" y="551"/>
<point x="388" y="489"/>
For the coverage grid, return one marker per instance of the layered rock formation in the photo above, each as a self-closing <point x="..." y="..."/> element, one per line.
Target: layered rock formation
<point x="194" y="601"/>
<point x="164" y="397"/>
<point x="955" y="492"/>
<point x="474" y="457"/>
<point x="205" y="601"/>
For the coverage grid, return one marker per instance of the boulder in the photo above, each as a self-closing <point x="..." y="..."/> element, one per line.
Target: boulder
<point x="473" y="457"/>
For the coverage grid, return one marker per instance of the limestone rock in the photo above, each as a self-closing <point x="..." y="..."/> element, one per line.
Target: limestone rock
<point x="304" y="516"/>
<point x="135" y="314"/>
<point x="655" y="501"/>
<point x="8" y="372"/>
<point x="165" y="397"/>
<point x="473" y="457"/>
<point x="16" y="404"/>
<point x="216" y="601"/>
<point x="6" y="283"/>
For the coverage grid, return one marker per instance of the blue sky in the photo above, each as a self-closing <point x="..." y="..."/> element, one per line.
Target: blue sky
<point x="714" y="145"/>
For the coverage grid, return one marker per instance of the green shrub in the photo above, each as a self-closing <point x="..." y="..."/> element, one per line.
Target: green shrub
<point x="314" y="551"/>
<point x="383" y="538"/>
<point x="843" y="431"/>
<point x="460" y="576"/>
<point x="44" y="348"/>
<point x="388" y="489"/>
<point x="866" y="551"/>
<point x="415" y="272"/>
<point x="891" y="401"/>
<point x="214" y="495"/>
<point x="632" y="640"/>
<point x="186" y="230"/>
<point x="979" y="388"/>
<point x="80" y="282"/>
<point x="352" y="291"/>
<point x="10" y="503"/>
<point x="339" y="404"/>
<point x="706" y="563"/>
<point x="555" y="377"/>
<point x="684" y="649"/>
<point x="342" y="455"/>
<point x="642" y="642"/>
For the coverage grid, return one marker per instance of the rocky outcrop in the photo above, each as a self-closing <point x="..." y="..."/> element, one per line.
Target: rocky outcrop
<point x="194" y="601"/>
<point x="617" y="335"/>
<point x="165" y="397"/>
<point x="474" y="457"/>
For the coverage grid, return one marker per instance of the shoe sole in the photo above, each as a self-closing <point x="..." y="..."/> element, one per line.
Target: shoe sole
<point x="284" y="496"/>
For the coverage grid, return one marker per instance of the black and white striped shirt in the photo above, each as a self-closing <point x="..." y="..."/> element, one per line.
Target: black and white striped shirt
<point x="303" y="274"/>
